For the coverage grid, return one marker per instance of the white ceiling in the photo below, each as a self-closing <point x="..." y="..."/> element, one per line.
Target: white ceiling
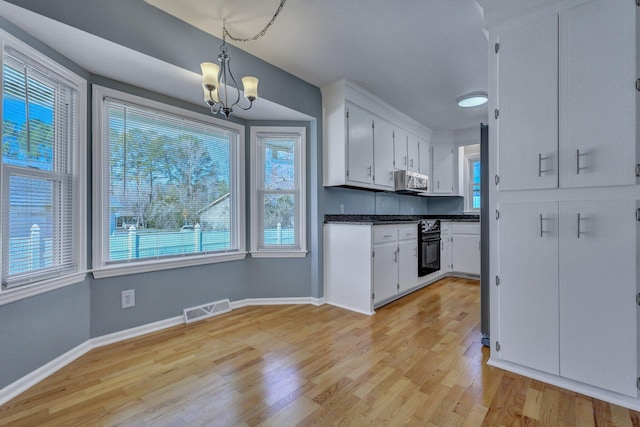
<point x="418" y="55"/>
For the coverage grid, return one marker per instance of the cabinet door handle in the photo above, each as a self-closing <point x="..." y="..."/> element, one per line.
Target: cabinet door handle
<point x="391" y="176"/>
<point x="541" y="225"/>
<point x="539" y="164"/>
<point x="369" y="169"/>
<point x="441" y="245"/>
<point x="438" y="185"/>
<point x="579" y="219"/>
<point x="387" y="236"/>
<point x="395" y="256"/>
<point x="411" y="162"/>
<point x="577" y="162"/>
<point x="404" y="160"/>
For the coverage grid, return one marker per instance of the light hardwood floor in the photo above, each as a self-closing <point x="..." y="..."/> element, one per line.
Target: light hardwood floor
<point x="416" y="362"/>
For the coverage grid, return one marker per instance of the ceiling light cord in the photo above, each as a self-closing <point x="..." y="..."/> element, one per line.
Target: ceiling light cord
<point x="226" y="33"/>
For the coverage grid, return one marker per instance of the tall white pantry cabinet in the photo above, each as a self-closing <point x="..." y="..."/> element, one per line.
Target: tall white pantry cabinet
<point x="564" y="93"/>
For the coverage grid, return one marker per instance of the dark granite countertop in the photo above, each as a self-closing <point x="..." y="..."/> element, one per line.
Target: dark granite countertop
<point x="392" y="219"/>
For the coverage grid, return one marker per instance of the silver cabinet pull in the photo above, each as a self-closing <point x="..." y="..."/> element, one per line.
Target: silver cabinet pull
<point x="404" y="160"/>
<point x="395" y="256"/>
<point x="411" y="162"/>
<point x="541" y="225"/>
<point x="539" y="164"/>
<point x="391" y="176"/>
<point x="579" y="219"/>
<point x="577" y="162"/>
<point x="387" y="236"/>
<point x="438" y="185"/>
<point x="369" y="170"/>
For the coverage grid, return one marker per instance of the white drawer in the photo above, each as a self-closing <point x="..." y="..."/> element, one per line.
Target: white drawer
<point x="408" y="232"/>
<point x="465" y="228"/>
<point x="385" y="233"/>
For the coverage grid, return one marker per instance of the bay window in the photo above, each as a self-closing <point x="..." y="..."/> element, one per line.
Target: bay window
<point x="168" y="186"/>
<point x="278" y="192"/>
<point x="42" y="168"/>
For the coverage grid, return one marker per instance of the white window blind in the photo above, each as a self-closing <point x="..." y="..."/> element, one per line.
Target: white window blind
<point x="39" y="143"/>
<point x="170" y="187"/>
<point x="279" y="193"/>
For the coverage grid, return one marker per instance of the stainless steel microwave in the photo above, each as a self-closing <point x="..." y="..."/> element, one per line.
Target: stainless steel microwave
<point x="410" y="182"/>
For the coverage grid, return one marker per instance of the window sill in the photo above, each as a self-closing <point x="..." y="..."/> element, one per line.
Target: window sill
<point x="278" y="254"/>
<point x="14" y="294"/>
<point x="164" y="264"/>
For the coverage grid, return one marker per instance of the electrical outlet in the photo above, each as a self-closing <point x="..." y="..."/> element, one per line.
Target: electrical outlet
<point x="128" y="298"/>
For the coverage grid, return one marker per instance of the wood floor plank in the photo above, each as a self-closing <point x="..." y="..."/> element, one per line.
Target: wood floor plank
<point x="417" y="362"/>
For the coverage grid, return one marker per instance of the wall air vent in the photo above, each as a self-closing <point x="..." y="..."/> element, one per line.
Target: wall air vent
<point x="206" y="310"/>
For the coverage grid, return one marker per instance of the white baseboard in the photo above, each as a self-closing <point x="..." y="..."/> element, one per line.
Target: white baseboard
<point x="135" y="332"/>
<point x="277" y="301"/>
<point x="33" y="378"/>
<point x="587" y="390"/>
<point x="23" y="384"/>
<point x="355" y="310"/>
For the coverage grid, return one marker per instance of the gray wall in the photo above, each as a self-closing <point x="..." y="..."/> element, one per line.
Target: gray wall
<point x="47" y="325"/>
<point x="352" y="201"/>
<point x="37" y="330"/>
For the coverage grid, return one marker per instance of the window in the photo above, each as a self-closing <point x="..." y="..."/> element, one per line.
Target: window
<point x="169" y="183"/>
<point x="42" y="169"/>
<point x="278" y="192"/>
<point x="472" y="193"/>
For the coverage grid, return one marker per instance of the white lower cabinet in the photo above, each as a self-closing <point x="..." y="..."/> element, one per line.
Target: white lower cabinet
<point x="567" y="290"/>
<point x="465" y="248"/>
<point x="368" y="265"/>
<point x="395" y="260"/>
<point x="385" y="271"/>
<point x="598" y="309"/>
<point x="407" y="264"/>
<point x="528" y="285"/>
<point x="445" y="249"/>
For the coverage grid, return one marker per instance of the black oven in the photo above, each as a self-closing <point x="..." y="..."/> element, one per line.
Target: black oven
<point x="428" y="247"/>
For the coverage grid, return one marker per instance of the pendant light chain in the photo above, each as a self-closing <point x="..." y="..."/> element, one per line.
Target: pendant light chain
<point x="225" y="32"/>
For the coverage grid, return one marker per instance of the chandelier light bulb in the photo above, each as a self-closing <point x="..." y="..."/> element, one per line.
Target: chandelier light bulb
<point x="250" y="85"/>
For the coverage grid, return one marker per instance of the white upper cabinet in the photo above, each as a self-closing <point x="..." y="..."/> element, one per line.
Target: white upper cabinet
<point x="359" y="145"/>
<point x="400" y="157"/>
<point x="566" y="99"/>
<point x="442" y="180"/>
<point x="383" y="154"/>
<point x="528" y="106"/>
<point x="598" y="310"/>
<point x="597" y="94"/>
<point x="365" y="139"/>
<point x="423" y="150"/>
<point x="413" y="154"/>
<point x="528" y="290"/>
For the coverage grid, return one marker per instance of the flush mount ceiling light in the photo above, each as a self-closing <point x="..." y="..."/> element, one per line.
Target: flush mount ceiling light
<point x="473" y="99"/>
<point x="221" y="92"/>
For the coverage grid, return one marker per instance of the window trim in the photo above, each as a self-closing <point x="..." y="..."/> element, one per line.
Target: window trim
<point x="468" y="184"/>
<point x="301" y="165"/>
<point x="79" y="203"/>
<point x="101" y="270"/>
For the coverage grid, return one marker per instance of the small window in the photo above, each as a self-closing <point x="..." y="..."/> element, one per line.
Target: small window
<point x="169" y="186"/>
<point x="42" y="169"/>
<point x="278" y="192"/>
<point x="472" y="193"/>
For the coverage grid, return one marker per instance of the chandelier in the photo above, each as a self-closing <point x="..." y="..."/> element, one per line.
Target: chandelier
<point x="221" y="92"/>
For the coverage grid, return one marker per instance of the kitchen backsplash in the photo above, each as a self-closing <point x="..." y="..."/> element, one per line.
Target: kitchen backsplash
<point x="339" y="200"/>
